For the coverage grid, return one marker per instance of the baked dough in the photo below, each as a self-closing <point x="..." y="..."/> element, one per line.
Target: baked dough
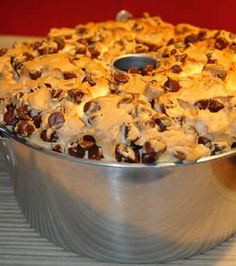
<point x="63" y="94"/>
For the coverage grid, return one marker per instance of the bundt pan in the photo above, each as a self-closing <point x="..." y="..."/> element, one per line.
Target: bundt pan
<point x="122" y="212"/>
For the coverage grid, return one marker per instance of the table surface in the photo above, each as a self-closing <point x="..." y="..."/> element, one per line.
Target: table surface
<point x="22" y="245"/>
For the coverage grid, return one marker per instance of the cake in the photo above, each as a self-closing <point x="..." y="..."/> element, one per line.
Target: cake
<point x="62" y="93"/>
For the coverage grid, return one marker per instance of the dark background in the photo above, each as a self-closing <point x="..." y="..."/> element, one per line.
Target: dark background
<point x="29" y="17"/>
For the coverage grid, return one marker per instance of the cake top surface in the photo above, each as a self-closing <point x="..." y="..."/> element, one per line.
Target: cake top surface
<point x="64" y="94"/>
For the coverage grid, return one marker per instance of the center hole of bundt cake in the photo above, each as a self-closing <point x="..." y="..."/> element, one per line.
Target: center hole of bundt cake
<point x="130" y="62"/>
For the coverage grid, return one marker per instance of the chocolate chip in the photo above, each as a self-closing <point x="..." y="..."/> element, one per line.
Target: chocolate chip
<point x="146" y="70"/>
<point x="88" y="78"/>
<point x="58" y="148"/>
<point x="10" y="106"/>
<point x="163" y="123"/>
<point x="201" y="35"/>
<point x="180" y="155"/>
<point x="37" y="119"/>
<point x="114" y="91"/>
<point x="48" y="136"/>
<point x="153" y="47"/>
<point x="137" y="157"/>
<point x="126" y="154"/>
<point x="133" y="70"/>
<point x="55" y="94"/>
<point x="77" y="151"/>
<point x="173" y="51"/>
<point x="81" y="30"/>
<point x="13" y="60"/>
<point x="16" y="64"/>
<point x="221" y="43"/>
<point x="48" y="85"/>
<point x="233" y="145"/>
<point x="94" y="52"/>
<point x="87" y="142"/>
<point x="91" y="82"/>
<point x="83" y="41"/>
<point x="171" y="41"/>
<point x="192" y="38"/>
<point x="3" y="51"/>
<point x="222" y="75"/>
<point x="34" y="75"/>
<point x="68" y="37"/>
<point x="25" y="128"/>
<point x="163" y="108"/>
<point x="76" y="95"/>
<point x="165" y="55"/>
<point x="28" y="56"/>
<point x="92" y="107"/>
<point x="42" y="51"/>
<point x="69" y="75"/>
<point x="19" y="95"/>
<point x="211" y="61"/>
<point x="152" y="104"/>
<point x="125" y="100"/>
<point x="90" y="41"/>
<point x="233" y="46"/>
<point x="148" y="147"/>
<point x="9" y="117"/>
<point x="218" y="148"/>
<point x="80" y="50"/>
<point x="181" y="57"/>
<point x="36" y="45"/>
<point x="215" y="106"/>
<point x="172" y="85"/>
<point x="23" y="112"/>
<point x="120" y="78"/>
<point x="205" y="141"/>
<point x="125" y="131"/>
<point x="148" y="158"/>
<point x="202" y="104"/>
<point x="60" y="43"/>
<point x="176" y="69"/>
<point x="135" y="146"/>
<point x="56" y="120"/>
<point x="95" y="153"/>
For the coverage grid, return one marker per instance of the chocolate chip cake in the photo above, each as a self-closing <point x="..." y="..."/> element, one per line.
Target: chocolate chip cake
<point x="63" y="94"/>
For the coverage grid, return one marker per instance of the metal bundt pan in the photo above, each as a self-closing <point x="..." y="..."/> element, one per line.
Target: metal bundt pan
<point x="123" y="212"/>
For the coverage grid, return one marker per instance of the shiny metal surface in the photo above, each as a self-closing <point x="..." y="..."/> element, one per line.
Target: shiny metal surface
<point x="112" y="212"/>
<point x="123" y="15"/>
<point x="125" y="62"/>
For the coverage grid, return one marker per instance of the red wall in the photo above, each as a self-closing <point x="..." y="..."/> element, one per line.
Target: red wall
<point x="28" y="17"/>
